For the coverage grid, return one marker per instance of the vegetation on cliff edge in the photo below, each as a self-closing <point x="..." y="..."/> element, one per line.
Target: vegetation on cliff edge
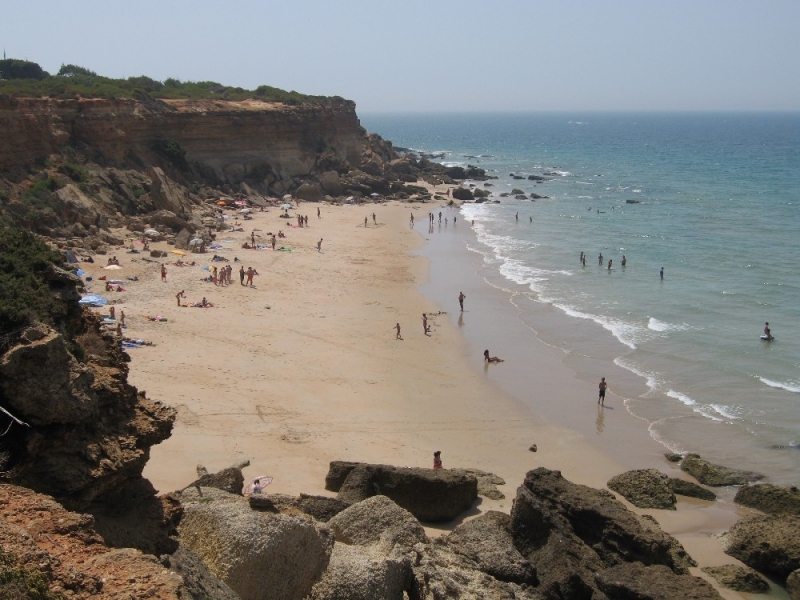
<point x="22" y="582"/>
<point x="24" y="293"/>
<point x="24" y="79"/>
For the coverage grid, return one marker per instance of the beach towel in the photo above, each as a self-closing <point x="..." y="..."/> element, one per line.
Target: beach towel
<point x="93" y="300"/>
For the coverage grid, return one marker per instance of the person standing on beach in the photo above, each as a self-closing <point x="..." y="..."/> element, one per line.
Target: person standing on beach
<point x="461" y="297"/>
<point x="397" y="327"/>
<point x="425" y="323"/>
<point x="241" y="275"/>
<point x="319" y="214"/>
<point x="412" y="220"/>
<point x="180" y="295"/>
<point x="365" y="221"/>
<point x="374" y="219"/>
<point x="661" y="273"/>
<point x="437" y="460"/>
<point x="319" y="245"/>
<point x="122" y="318"/>
<point x="440" y="217"/>
<point x="602" y="389"/>
<point x="163" y="273"/>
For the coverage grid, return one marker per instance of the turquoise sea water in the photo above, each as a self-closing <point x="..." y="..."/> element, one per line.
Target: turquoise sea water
<point x="718" y="208"/>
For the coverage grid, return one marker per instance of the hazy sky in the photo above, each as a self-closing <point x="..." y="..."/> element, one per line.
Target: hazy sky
<point x="438" y="55"/>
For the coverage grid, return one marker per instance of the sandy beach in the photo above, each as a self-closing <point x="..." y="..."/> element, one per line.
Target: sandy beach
<point x="305" y="368"/>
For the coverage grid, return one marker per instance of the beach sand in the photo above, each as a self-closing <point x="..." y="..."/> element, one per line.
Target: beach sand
<point x="305" y="368"/>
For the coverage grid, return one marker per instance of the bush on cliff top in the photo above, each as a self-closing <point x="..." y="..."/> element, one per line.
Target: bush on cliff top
<point x="73" y="81"/>
<point x="19" y="581"/>
<point x="24" y="293"/>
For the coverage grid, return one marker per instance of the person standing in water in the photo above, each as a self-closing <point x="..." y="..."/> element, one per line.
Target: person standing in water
<point x="610" y="260"/>
<point x="600" y="259"/>
<point x="661" y="273"/>
<point x="624" y="260"/>
<point x="767" y="332"/>
<point x="461" y="297"/>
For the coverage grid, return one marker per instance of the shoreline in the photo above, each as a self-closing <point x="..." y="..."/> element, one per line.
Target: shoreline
<point x="305" y="369"/>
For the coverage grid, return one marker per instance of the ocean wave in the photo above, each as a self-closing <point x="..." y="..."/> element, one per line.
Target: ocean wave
<point x="586" y="197"/>
<point x="662" y="327"/>
<point x="725" y="411"/>
<point x="626" y="333"/>
<point x="788" y="386"/>
<point x="651" y="379"/>
<point x="687" y="400"/>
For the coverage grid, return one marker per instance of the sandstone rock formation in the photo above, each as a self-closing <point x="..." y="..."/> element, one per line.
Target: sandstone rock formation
<point x="768" y="544"/>
<point x="738" y="578"/>
<point x="681" y="487"/>
<point x="253" y="551"/>
<point x="715" y="475"/>
<point x="769" y="498"/>
<point x="39" y="533"/>
<point x="570" y="532"/>
<point x="645" y="488"/>
<point x="793" y="585"/>
<point x="427" y="494"/>
<point x="635" y="581"/>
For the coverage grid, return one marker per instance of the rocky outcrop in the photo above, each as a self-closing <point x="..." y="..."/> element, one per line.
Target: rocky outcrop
<point x="253" y="551"/>
<point x="793" y="585"/>
<point x="200" y="583"/>
<point x="768" y="544"/>
<point x="166" y="195"/>
<point x="740" y="579"/>
<point x="377" y="521"/>
<point x="358" y="573"/>
<point x="681" y="487"/>
<point x="427" y="494"/>
<point x="569" y="532"/>
<point x="769" y="498"/>
<point x="229" y="480"/>
<point x="644" y="488"/>
<point x="487" y="541"/>
<point x="715" y="475"/>
<point x="64" y="547"/>
<point x="635" y="581"/>
<point x="90" y="431"/>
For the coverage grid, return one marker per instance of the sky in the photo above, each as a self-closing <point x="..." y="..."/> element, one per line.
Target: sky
<point x="438" y="55"/>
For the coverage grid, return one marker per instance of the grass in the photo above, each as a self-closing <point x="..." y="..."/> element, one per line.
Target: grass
<point x="21" y="582"/>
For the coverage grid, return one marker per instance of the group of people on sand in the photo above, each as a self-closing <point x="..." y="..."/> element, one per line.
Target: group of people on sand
<point x="113" y="261"/>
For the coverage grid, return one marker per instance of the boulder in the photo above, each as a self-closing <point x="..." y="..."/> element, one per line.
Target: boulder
<point x="76" y="207"/>
<point x="715" y="475"/>
<point x="166" y="194"/>
<point x="377" y="521"/>
<point x="487" y="483"/>
<point x="682" y="487"/>
<point x="182" y="239"/>
<point x="570" y="532"/>
<point x="793" y="585"/>
<point x="487" y="540"/>
<point x="673" y="457"/>
<point x="322" y="508"/>
<point x="253" y="551"/>
<point x="456" y="172"/>
<point x="429" y="495"/>
<point x="198" y="581"/>
<point x="769" y="498"/>
<point x="738" y="578"/>
<point x="168" y="219"/>
<point x="358" y="573"/>
<point x="228" y="480"/>
<point x="331" y="183"/>
<point x="635" y="581"/>
<point x="311" y="192"/>
<point x="768" y="544"/>
<point x="644" y="488"/>
<point x="460" y="193"/>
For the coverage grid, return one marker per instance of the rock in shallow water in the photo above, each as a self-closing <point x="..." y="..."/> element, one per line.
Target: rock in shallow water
<point x="645" y="488"/>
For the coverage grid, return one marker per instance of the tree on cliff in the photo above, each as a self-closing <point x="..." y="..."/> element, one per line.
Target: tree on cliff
<point x="12" y="68"/>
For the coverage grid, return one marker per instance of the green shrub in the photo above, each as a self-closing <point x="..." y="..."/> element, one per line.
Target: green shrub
<point x="74" y="172"/>
<point x="22" y="582"/>
<point x="25" y="295"/>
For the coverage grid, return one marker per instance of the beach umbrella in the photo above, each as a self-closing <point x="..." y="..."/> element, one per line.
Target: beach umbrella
<point x="258" y="484"/>
<point x="221" y="203"/>
<point x="286" y="206"/>
<point x="178" y="252"/>
<point x="195" y="242"/>
<point x="150" y="232"/>
<point x="244" y="211"/>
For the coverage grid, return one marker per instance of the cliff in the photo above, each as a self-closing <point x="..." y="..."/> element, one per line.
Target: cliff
<point x="229" y="140"/>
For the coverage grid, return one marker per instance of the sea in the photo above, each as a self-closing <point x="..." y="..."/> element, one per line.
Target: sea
<point x="713" y="199"/>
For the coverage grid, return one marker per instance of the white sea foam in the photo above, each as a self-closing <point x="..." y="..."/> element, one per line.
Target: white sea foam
<point x="586" y="197"/>
<point x="725" y="411"/>
<point x="661" y="326"/>
<point x="688" y="401"/>
<point x="625" y="332"/>
<point x="651" y="378"/>
<point x="789" y="386"/>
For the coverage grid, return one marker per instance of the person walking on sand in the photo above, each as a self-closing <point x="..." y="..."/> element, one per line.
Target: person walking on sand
<point x="365" y="221"/>
<point x="319" y="214"/>
<point x="374" y="219"/>
<point x="461" y="297"/>
<point x="241" y="275"/>
<point x="250" y="276"/>
<point x="319" y="245"/>
<point x="163" y="273"/>
<point x="397" y="327"/>
<point x="601" y="399"/>
<point x="425" y="323"/>
<point x="412" y="220"/>
<point x="122" y="318"/>
<point x="253" y="238"/>
<point x="437" y="460"/>
<point x="180" y="295"/>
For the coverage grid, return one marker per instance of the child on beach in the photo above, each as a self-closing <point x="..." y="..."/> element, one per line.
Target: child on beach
<point x="491" y="359"/>
<point x="437" y="460"/>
